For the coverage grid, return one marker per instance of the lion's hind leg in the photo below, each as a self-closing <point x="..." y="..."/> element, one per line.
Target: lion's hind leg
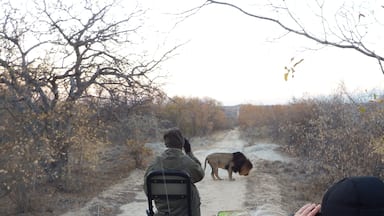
<point x="213" y="174"/>
<point x="214" y="171"/>
<point x="217" y="173"/>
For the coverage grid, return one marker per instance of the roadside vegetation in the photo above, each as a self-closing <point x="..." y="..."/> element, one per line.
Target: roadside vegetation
<point x="332" y="137"/>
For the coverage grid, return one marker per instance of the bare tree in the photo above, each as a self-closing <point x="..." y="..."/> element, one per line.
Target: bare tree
<point x="354" y="25"/>
<point x="59" y="51"/>
<point x="63" y="52"/>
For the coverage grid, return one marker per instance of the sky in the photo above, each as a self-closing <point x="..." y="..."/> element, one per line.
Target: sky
<point x="236" y="59"/>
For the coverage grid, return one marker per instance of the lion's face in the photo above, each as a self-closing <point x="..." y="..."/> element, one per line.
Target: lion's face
<point x="246" y="168"/>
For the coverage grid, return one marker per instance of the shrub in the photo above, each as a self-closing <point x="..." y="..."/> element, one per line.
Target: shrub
<point x="338" y="136"/>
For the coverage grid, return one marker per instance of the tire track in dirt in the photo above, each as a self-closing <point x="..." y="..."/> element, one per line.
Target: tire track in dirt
<point x="265" y="195"/>
<point x="110" y="202"/>
<point x="224" y="194"/>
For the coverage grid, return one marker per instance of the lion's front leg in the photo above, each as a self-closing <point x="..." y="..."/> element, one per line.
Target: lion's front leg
<point x="230" y="171"/>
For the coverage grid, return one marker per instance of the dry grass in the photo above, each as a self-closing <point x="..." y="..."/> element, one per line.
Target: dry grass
<point x="48" y="199"/>
<point x="334" y="139"/>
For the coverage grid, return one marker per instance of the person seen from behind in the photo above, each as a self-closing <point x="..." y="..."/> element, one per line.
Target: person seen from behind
<point x="173" y="158"/>
<point x="352" y="196"/>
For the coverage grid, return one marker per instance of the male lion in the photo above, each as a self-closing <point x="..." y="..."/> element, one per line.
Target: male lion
<point x="232" y="162"/>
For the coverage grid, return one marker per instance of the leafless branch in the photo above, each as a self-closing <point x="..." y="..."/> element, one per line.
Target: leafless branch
<point x="347" y="41"/>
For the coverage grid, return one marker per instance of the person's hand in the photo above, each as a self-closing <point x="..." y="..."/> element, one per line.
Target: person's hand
<point x="309" y="209"/>
<point x="187" y="146"/>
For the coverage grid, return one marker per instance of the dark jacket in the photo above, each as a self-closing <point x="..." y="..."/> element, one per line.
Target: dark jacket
<point x="175" y="159"/>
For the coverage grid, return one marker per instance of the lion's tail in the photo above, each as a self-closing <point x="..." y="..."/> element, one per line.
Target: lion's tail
<point x="205" y="163"/>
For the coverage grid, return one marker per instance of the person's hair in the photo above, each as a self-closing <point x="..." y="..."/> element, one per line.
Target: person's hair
<point x="173" y="138"/>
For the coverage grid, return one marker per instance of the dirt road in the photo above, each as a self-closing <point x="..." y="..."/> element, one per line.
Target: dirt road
<point x="260" y="193"/>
